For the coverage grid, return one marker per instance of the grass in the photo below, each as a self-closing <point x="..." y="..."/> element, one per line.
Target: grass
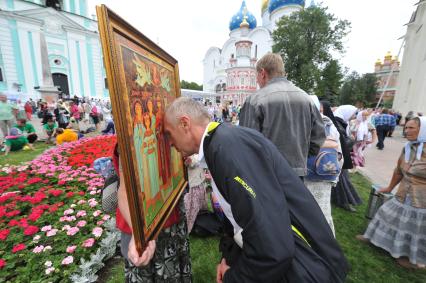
<point x="17" y="157"/>
<point x="368" y="263"/>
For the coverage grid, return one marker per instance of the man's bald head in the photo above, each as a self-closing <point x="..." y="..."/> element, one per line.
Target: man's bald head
<point x="184" y="106"/>
<point x="184" y="124"/>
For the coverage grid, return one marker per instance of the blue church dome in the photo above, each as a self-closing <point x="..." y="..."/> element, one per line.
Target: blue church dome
<point x="238" y="18"/>
<point x="275" y="4"/>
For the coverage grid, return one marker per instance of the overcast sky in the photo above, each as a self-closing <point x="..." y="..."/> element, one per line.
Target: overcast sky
<point x="187" y="29"/>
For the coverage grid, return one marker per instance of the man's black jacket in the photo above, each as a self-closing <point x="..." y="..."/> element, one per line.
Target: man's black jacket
<point x="266" y="198"/>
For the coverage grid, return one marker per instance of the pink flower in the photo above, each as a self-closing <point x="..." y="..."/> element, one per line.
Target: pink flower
<point x="88" y="243"/>
<point x="106" y="217"/>
<point x="97" y="213"/>
<point x="82" y="201"/>
<point x="38" y="249"/>
<point x="67" y="260"/>
<point x="97" y="232"/>
<point x="62" y="219"/>
<point x="81" y="223"/>
<point x="100" y="222"/>
<point x="72" y="231"/>
<point x="81" y="213"/>
<point x="48" y="263"/>
<point x="51" y="232"/>
<point x="71" y="218"/>
<point x="69" y="211"/>
<point x="71" y="249"/>
<point x="66" y="227"/>
<point x="47" y="248"/>
<point x="46" y="228"/>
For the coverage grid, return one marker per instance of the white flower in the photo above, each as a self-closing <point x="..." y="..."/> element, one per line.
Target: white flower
<point x="48" y="263"/>
<point x="49" y="270"/>
<point x="36" y="238"/>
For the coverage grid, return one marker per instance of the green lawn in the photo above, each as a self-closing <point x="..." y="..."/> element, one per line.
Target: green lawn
<point x="16" y="158"/>
<point x="369" y="264"/>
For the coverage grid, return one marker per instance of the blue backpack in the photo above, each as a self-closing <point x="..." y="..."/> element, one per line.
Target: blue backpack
<point x="324" y="166"/>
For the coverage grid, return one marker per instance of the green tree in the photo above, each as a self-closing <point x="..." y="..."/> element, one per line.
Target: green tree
<point x="305" y="40"/>
<point x="328" y="86"/>
<point x="358" y="89"/>
<point x="190" y="85"/>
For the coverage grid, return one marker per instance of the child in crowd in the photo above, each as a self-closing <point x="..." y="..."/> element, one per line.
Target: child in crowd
<point x="50" y="129"/>
<point x="27" y="128"/>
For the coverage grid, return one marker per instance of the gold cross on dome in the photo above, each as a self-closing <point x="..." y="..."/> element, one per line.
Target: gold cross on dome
<point x="245" y="13"/>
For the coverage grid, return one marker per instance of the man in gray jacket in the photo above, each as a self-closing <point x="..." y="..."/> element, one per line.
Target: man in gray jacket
<point x="284" y="114"/>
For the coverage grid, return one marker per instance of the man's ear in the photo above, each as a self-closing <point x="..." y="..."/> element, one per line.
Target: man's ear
<point x="185" y="122"/>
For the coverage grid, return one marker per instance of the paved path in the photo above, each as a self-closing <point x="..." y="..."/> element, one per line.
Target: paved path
<point x="379" y="164"/>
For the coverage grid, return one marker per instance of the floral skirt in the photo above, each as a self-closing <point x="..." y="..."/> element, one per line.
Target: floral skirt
<point x="195" y="200"/>
<point x="171" y="262"/>
<point x="400" y="229"/>
<point x="322" y="194"/>
<point x="357" y="154"/>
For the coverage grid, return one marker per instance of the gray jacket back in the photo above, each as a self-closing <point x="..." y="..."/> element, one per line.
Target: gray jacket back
<point x="287" y="116"/>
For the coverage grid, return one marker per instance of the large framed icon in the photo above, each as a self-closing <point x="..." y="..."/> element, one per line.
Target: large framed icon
<point x="143" y="80"/>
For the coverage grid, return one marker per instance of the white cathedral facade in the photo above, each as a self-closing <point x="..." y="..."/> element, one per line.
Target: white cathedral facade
<point x="50" y="44"/>
<point x="411" y="91"/>
<point x="230" y="70"/>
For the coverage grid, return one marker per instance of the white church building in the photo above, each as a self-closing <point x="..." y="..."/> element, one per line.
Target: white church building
<point x="411" y="92"/>
<point x="230" y="70"/>
<point x="50" y="44"/>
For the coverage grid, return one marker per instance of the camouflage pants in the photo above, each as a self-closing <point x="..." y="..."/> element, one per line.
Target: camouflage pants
<point x="171" y="262"/>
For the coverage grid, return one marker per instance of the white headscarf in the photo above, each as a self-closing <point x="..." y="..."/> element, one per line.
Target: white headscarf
<point x="421" y="139"/>
<point x="345" y="112"/>
<point x="362" y="129"/>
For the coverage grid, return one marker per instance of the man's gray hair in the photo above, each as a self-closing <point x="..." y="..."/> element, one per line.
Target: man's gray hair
<point x="187" y="106"/>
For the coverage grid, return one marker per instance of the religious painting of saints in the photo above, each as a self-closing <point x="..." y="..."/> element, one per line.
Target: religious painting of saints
<point x="143" y="80"/>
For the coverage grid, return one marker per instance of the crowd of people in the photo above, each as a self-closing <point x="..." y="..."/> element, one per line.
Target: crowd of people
<point x="277" y="164"/>
<point x="61" y="121"/>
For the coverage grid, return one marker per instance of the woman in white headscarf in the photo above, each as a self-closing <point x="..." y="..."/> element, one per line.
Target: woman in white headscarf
<point x="363" y="134"/>
<point x="344" y="194"/>
<point x="321" y="188"/>
<point x="399" y="226"/>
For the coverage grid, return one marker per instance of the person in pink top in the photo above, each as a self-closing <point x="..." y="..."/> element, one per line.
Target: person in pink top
<point x="74" y="111"/>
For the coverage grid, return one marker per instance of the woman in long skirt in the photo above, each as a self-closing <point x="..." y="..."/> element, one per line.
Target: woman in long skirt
<point x="399" y="226"/>
<point x="344" y="194"/>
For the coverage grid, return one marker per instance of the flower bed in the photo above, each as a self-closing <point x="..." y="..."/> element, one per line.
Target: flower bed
<point x="51" y="225"/>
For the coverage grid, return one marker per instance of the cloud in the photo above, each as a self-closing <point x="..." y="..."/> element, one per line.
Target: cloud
<point x="187" y="29"/>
